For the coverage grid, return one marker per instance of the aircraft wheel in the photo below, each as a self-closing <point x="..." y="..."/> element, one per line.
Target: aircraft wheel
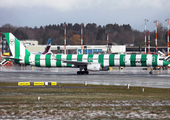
<point x="83" y="72"/>
<point x="78" y="72"/>
<point x="87" y="72"/>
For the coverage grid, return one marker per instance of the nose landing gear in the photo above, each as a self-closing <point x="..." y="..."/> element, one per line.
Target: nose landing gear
<point x="151" y="71"/>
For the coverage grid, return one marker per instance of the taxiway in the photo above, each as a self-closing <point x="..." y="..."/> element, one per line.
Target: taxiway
<point x="132" y="76"/>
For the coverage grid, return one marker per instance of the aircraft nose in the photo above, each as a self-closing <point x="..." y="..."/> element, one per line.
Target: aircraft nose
<point x="165" y="63"/>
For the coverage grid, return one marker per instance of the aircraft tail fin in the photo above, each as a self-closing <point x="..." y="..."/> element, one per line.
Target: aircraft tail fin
<point x="48" y="48"/>
<point x="49" y="42"/>
<point x="17" y="49"/>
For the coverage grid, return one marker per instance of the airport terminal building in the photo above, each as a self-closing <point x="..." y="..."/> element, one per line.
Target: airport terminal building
<point x="76" y="49"/>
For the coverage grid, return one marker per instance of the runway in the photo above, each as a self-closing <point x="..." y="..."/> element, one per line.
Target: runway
<point x="134" y="76"/>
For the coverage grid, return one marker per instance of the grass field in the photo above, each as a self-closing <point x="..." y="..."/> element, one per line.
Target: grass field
<point x="86" y="102"/>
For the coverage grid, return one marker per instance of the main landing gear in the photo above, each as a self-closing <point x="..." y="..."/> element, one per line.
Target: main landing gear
<point x="83" y="72"/>
<point x="151" y="71"/>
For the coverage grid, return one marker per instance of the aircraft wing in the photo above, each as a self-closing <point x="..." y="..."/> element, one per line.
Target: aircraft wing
<point x="9" y="57"/>
<point x="74" y="62"/>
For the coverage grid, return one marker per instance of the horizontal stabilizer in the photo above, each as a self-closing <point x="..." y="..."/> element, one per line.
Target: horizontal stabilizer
<point x="161" y="53"/>
<point x="3" y="62"/>
<point x="167" y="58"/>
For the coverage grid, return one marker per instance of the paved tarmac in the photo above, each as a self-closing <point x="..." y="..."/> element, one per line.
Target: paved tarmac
<point x="134" y="76"/>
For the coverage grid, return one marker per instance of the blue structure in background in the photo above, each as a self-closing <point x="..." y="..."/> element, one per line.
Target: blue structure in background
<point x="89" y="51"/>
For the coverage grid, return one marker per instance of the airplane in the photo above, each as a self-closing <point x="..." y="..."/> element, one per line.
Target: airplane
<point x="47" y="51"/>
<point x="85" y="62"/>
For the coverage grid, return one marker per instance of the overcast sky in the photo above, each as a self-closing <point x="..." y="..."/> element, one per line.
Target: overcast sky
<point x="38" y="13"/>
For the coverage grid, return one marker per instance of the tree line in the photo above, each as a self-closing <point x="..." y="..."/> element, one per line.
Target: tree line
<point x="93" y="34"/>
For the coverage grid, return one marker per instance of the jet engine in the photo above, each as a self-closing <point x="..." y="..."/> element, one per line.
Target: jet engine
<point x="94" y="67"/>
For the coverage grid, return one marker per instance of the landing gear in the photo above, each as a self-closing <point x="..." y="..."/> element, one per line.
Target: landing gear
<point x="151" y="71"/>
<point x="82" y="72"/>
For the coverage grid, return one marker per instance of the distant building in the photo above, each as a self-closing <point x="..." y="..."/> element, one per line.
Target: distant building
<point x="29" y="42"/>
<point x="76" y="49"/>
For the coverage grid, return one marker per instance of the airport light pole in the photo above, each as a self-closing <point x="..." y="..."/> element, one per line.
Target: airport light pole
<point x="82" y="38"/>
<point x="107" y="42"/>
<point x="167" y="37"/>
<point x="149" y="42"/>
<point x="64" y="38"/>
<point x="145" y="34"/>
<point x="155" y="35"/>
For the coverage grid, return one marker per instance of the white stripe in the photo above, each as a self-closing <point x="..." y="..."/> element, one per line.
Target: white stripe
<point x="85" y="57"/>
<point x="12" y="46"/>
<point x="42" y="60"/>
<point x="63" y="57"/>
<point x="127" y="60"/>
<point x="22" y="53"/>
<point x="138" y="60"/>
<point x="149" y="60"/>
<point x="53" y="61"/>
<point x="159" y="62"/>
<point x="32" y="59"/>
<point x="74" y="58"/>
<point x="95" y="58"/>
<point x="106" y="60"/>
<point x="22" y="50"/>
<point x="117" y="60"/>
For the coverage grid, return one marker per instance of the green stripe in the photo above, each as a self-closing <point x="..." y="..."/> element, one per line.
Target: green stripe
<point x="90" y="58"/>
<point x="69" y="57"/>
<point x="7" y="38"/>
<point x="37" y="60"/>
<point x="27" y="60"/>
<point x="122" y="60"/>
<point x="133" y="59"/>
<point x="27" y="55"/>
<point x="154" y="60"/>
<point x="16" y="61"/>
<point x="101" y="59"/>
<point x="143" y="60"/>
<point x="111" y="60"/>
<point x="165" y="63"/>
<point x="58" y="62"/>
<point x="48" y="60"/>
<point x="79" y="57"/>
<point x="17" y="48"/>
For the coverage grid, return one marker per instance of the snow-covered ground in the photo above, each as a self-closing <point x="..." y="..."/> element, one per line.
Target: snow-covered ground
<point x="88" y="110"/>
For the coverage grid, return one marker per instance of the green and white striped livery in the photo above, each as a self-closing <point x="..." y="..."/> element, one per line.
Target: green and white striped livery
<point x="83" y="61"/>
<point x="105" y="60"/>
